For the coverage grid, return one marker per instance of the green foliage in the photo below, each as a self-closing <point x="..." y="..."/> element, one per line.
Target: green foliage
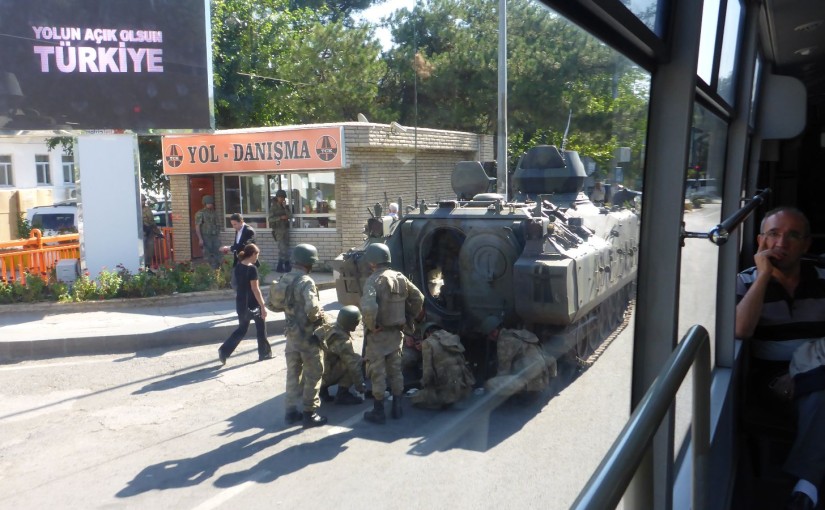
<point x="335" y="72"/>
<point x="109" y="284"/>
<point x="554" y="68"/>
<point x="35" y="289"/>
<point x="84" y="289"/>
<point x="121" y="283"/>
<point x="24" y="228"/>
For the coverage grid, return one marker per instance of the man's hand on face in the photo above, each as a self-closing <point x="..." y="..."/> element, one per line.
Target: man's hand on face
<point x="766" y="258"/>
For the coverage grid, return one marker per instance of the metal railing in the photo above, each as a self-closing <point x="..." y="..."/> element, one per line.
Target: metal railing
<point x="36" y="255"/>
<point x="39" y="255"/>
<point x="164" y="248"/>
<point x="611" y="479"/>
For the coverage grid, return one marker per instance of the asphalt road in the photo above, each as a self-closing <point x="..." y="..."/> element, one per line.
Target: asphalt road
<point x="170" y="429"/>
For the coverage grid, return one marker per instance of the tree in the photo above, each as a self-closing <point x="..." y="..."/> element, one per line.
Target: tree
<point x="249" y="38"/>
<point x="554" y="69"/>
<point x="335" y="71"/>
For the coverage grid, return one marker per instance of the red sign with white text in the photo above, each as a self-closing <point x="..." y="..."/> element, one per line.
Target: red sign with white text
<point x="259" y="151"/>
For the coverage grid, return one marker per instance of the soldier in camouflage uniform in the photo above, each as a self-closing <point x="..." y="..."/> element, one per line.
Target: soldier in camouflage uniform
<point x="150" y="232"/>
<point x="446" y="378"/>
<point x="279" y="215"/>
<point x="389" y="302"/>
<point x="207" y="228"/>
<point x="304" y="315"/>
<point x="522" y="364"/>
<point x="342" y="365"/>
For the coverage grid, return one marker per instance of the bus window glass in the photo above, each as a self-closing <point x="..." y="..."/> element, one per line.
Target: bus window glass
<point x="707" y="42"/>
<point x="648" y="12"/>
<point x="727" y="57"/>
<point x="700" y="257"/>
<point x="564" y="273"/>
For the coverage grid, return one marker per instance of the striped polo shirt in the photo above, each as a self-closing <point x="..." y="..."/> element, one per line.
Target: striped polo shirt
<point x="787" y="321"/>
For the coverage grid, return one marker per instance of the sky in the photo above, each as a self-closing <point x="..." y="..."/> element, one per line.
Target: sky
<point x="376" y="12"/>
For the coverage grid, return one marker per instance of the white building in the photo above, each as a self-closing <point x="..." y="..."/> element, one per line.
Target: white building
<point x="31" y="175"/>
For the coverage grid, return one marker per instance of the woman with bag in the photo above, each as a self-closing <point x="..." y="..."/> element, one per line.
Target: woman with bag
<point x="249" y="303"/>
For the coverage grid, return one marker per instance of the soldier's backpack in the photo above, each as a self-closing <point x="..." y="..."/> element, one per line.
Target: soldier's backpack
<point x="279" y="291"/>
<point x="392" y="298"/>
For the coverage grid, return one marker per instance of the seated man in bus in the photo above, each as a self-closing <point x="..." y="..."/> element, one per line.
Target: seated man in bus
<point x="781" y="305"/>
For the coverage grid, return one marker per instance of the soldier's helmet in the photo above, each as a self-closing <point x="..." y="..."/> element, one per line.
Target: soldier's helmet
<point x="489" y="323"/>
<point x="305" y="255"/>
<point x="207" y="199"/>
<point x="349" y="317"/>
<point x="377" y="253"/>
<point x="280" y="193"/>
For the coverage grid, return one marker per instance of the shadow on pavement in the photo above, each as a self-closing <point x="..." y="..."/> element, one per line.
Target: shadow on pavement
<point x="481" y="423"/>
<point x="288" y="461"/>
<point x="172" y="474"/>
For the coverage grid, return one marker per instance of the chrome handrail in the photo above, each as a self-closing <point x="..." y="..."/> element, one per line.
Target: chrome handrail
<point x="720" y="234"/>
<point x="610" y="480"/>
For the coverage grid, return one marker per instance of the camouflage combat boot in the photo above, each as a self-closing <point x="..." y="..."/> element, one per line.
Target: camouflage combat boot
<point x="324" y="395"/>
<point x="292" y="416"/>
<point x="345" y="398"/>
<point x="313" y="419"/>
<point x="377" y="414"/>
<point x="396" y="412"/>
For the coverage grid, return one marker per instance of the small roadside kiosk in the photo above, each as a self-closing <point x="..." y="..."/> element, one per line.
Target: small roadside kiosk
<point x="332" y="174"/>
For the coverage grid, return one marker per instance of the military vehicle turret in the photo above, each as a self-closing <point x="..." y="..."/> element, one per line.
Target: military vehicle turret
<point x="549" y="261"/>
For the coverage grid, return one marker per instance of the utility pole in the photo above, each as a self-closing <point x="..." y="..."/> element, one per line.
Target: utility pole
<point x="501" y="146"/>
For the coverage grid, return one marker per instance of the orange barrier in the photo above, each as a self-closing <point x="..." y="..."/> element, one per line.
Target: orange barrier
<point x="164" y="248"/>
<point x="36" y="255"/>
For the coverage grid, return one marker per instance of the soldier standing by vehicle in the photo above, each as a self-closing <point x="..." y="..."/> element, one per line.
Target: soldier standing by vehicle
<point x="279" y="216"/>
<point x="150" y="232"/>
<point x="295" y="293"/>
<point x="522" y="365"/>
<point x="342" y="365"/>
<point x="446" y="378"/>
<point x="207" y="227"/>
<point x="390" y="301"/>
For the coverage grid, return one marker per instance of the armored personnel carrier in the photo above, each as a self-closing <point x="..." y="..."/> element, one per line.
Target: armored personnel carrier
<point x="549" y="261"/>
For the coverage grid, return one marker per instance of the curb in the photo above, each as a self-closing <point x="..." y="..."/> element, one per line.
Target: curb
<point x="171" y="339"/>
<point x="111" y="304"/>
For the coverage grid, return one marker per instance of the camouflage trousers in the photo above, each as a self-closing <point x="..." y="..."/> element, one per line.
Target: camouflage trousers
<point x="303" y="379"/>
<point x="148" y="249"/>
<point x="281" y="236"/>
<point x="342" y="366"/>
<point x="383" y="359"/>
<point x="211" y="250"/>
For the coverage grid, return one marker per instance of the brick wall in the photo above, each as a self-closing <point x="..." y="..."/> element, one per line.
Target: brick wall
<point x="378" y="161"/>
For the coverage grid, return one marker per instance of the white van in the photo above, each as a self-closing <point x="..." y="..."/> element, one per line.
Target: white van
<point x="52" y="220"/>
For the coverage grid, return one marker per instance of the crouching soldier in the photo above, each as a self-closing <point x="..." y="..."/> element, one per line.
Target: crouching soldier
<point x="446" y="378"/>
<point x="342" y="366"/>
<point x="389" y="302"/>
<point x="522" y="365"/>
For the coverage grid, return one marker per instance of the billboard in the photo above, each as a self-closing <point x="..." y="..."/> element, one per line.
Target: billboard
<point x="137" y="65"/>
<point x="271" y="150"/>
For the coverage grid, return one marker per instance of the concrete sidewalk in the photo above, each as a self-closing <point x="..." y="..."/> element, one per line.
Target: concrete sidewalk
<point x="50" y="330"/>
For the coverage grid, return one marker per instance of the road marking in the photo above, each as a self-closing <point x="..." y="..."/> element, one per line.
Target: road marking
<point x="227" y="494"/>
<point x="346" y="425"/>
